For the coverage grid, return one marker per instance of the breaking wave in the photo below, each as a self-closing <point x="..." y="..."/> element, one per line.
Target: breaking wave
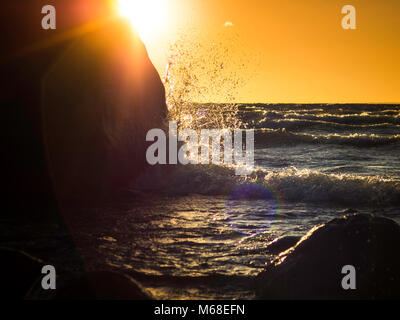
<point x="334" y="116"/>
<point x="354" y="118"/>
<point x="299" y="124"/>
<point x="271" y="137"/>
<point x="291" y="184"/>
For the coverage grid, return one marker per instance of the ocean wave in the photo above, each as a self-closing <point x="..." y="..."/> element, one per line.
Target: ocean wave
<point x="362" y="118"/>
<point x="390" y="109"/>
<point x="290" y="185"/>
<point x="350" y="189"/>
<point x="358" y="118"/>
<point x="271" y="137"/>
<point x="298" y="124"/>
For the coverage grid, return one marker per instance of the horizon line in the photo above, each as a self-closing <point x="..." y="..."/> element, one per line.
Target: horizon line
<point x="326" y="103"/>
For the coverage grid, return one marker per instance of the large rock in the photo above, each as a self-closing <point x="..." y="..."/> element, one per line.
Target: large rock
<point x="100" y="99"/>
<point x="21" y="277"/>
<point x="281" y="244"/>
<point x="312" y="268"/>
<point x="94" y="285"/>
<point x="76" y="104"/>
<point x="104" y="285"/>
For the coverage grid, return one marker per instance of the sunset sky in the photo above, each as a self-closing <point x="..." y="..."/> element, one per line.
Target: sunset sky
<point x="295" y="51"/>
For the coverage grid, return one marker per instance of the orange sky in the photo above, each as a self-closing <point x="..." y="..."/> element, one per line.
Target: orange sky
<point x="298" y="48"/>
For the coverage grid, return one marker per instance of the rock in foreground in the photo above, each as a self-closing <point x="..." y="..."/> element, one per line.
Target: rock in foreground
<point x="312" y="268"/>
<point x="93" y="285"/>
<point x="102" y="285"/>
<point x="281" y="244"/>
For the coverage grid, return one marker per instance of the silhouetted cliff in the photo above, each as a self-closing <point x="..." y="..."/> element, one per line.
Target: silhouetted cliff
<point x="76" y="101"/>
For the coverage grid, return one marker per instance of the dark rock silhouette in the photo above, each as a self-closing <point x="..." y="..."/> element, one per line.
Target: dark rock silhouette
<point x="76" y="104"/>
<point x="101" y="285"/>
<point x="281" y="244"/>
<point x="18" y="272"/>
<point x="312" y="268"/>
<point x="100" y="99"/>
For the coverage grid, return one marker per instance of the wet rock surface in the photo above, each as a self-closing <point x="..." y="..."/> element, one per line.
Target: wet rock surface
<point x="281" y="244"/>
<point x="312" y="269"/>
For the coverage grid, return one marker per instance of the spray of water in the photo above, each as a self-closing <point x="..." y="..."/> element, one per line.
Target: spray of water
<point x="200" y="71"/>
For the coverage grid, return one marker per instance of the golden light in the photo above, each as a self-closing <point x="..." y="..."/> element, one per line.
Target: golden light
<point x="146" y="16"/>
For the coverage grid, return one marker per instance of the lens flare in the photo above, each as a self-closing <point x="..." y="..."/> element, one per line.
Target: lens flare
<point x="146" y="16"/>
<point x="269" y="195"/>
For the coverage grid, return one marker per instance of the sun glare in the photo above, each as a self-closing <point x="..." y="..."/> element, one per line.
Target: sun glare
<point x="146" y="16"/>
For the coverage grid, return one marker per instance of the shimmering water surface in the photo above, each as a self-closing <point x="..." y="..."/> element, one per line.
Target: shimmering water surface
<point x="201" y="231"/>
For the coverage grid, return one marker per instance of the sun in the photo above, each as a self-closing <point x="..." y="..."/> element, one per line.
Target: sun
<point x="146" y="16"/>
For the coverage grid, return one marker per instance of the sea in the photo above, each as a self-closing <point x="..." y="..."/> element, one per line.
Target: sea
<point x="201" y="232"/>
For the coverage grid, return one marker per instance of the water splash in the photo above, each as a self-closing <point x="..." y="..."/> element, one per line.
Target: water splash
<point x="200" y="71"/>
